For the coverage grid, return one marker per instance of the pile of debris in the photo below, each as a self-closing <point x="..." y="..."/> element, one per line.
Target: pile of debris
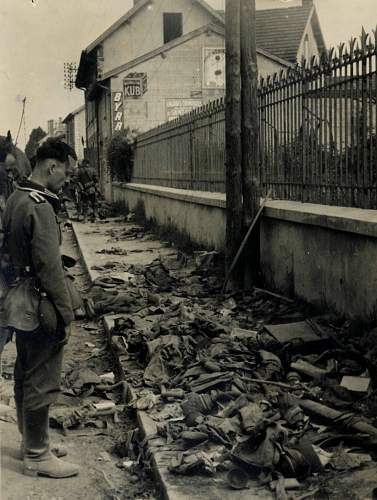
<point x="247" y="386"/>
<point x="277" y="401"/>
<point x="88" y="400"/>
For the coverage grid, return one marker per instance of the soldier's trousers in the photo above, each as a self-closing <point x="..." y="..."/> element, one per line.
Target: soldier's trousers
<point x="37" y="372"/>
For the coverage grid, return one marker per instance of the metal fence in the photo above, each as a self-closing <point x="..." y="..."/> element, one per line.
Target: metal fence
<point x="318" y="129"/>
<point x="318" y="140"/>
<point x="186" y="153"/>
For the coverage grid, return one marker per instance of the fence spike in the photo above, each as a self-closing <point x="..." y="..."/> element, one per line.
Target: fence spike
<point x="291" y="74"/>
<point x="341" y="50"/>
<point x="323" y="58"/>
<point x="363" y="39"/>
<point x="352" y="44"/>
<point x="297" y="69"/>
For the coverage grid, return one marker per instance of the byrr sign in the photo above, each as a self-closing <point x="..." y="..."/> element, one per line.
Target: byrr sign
<point x="118" y="111"/>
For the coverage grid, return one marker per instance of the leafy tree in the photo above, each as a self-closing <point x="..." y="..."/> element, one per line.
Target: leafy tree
<point x="36" y="135"/>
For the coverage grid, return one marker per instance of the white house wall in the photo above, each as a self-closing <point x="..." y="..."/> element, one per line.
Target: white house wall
<point x="312" y="45"/>
<point x="175" y="80"/>
<point x="144" y="32"/>
<point x="277" y="4"/>
<point x="79" y="133"/>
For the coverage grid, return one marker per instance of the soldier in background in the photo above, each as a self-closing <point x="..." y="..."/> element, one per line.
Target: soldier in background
<point x="87" y="183"/>
<point x="38" y="306"/>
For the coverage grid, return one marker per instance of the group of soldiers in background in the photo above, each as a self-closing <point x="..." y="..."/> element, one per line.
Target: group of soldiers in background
<point x="82" y="188"/>
<point x="87" y="193"/>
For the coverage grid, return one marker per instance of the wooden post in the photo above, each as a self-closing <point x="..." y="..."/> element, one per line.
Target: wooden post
<point x="233" y="146"/>
<point x="250" y="137"/>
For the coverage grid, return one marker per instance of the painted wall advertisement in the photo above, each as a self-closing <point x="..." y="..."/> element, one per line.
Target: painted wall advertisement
<point x="117" y="111"/>
<point x="135" y="85"/>
<point x="179" y="107"/>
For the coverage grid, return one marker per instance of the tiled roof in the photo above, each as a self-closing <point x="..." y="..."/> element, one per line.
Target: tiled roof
<point x="280" y="31"/>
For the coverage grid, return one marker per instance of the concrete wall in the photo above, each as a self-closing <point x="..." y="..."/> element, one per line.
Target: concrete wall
<point x="324" y="255"/>
<point x="199" y="215"/>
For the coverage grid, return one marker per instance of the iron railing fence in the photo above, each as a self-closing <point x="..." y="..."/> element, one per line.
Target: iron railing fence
<point x="318" y="140"/>
<point x="185" y="153"/>
<point x="318" y="128"/>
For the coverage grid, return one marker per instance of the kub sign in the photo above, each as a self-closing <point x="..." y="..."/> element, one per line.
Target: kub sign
<point x="135" y="85"/>
<point x="118" y="111"/>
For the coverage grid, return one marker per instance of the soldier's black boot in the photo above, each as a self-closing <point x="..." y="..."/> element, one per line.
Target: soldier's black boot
<point x="38" y="459"/>
<point x="58" y="451"/>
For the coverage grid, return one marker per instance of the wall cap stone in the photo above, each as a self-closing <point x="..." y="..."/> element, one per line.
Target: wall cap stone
<point x="198" y="197"/>
<point x="347" y="219"/>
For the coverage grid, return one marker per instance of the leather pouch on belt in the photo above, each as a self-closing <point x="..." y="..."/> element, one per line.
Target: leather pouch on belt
<point x="47" y="316"/>
<point x="21" y="306"/>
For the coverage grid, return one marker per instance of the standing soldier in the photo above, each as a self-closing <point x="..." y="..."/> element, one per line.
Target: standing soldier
<point x="38" y="305"/>
<point x="87" y="180"/>
<point x="5" y="191"/>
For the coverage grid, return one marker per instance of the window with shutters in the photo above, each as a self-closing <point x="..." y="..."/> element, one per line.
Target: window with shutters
<point x="172" y="26"/>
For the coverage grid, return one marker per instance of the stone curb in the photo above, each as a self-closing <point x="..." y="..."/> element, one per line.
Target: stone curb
<point x="172" y="487"/>
<point x="146" y="424"/>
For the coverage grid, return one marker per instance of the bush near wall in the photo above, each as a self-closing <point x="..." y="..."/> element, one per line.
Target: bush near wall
<point x="120" y="155"/>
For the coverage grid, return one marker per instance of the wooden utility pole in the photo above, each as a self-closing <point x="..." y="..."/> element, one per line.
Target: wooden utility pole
<point x="250" y="137"/>
<point x="233" y="144"/>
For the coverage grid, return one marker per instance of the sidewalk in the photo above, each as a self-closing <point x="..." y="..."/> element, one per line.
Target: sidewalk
<point x="93" y="238"/>
<point x="84" y="445"/>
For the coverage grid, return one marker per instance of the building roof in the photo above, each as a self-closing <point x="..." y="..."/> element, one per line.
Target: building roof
<point x="73" y="113"/>
<point x="179" y="41"/>
<point x="280" y="31"/>
<point x="138" y="6"/>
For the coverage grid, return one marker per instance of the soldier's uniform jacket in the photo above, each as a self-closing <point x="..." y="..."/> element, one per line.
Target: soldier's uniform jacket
<point x="33" y="238"/>
<point x="87" y="179"/>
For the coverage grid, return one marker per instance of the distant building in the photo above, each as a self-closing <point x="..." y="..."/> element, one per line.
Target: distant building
<point x="164" y="58"/>
<point x="56" y="128"/>
<point x="76" y="133"/>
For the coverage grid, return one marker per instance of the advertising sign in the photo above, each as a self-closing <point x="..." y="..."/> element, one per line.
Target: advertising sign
<point x="179" y="107"/>
<point x="135" y="85"/>
<point x="118" y="111"/>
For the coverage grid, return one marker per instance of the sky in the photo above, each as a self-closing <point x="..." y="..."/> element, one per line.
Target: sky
<point x="38" y="36"/>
